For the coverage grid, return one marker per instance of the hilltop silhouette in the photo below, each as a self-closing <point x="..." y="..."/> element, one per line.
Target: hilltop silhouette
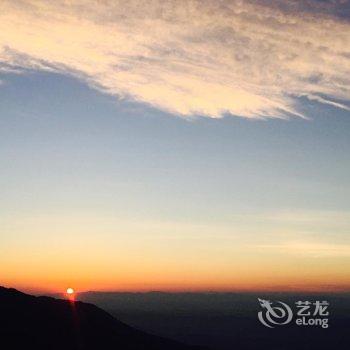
<point x="45" y="323"/>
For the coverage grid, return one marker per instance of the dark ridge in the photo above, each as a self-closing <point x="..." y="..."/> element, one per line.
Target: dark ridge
<point x="46" y="323"/>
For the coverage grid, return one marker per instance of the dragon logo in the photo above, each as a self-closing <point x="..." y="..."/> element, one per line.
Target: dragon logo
<point x="274" y="315"/>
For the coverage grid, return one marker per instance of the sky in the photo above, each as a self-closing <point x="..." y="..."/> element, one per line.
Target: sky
<point x="177" y="145"/>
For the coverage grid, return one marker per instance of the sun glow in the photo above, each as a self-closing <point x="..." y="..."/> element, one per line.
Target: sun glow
<point x="70" y="291"/>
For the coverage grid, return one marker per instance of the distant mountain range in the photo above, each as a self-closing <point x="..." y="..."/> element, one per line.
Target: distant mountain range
<point x="228" y="320"/>
<point x="45" y="323"/>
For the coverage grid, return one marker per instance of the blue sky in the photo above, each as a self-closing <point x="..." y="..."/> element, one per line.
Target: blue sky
<point x="61" y="138"/>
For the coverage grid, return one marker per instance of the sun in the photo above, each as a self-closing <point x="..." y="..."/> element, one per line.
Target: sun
<point x="70" y="291"/>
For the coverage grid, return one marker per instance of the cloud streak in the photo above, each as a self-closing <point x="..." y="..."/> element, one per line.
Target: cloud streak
<point x="187" y="57"/>
<point x="310" y="249"/>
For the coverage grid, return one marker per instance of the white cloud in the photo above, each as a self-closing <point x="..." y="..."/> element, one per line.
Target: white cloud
<point x="328" y="102"/>
<point x="188" y="57"/>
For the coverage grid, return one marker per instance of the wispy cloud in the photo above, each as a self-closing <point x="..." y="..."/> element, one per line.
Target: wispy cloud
<point x="189" y="57"/>
<point x="310" y="249"/>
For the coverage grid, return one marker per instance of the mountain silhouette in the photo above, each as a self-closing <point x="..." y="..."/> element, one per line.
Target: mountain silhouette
<point x="45" y="323"/>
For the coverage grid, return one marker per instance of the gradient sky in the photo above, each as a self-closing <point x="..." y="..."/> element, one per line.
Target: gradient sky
<point x="175" y="146"/>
